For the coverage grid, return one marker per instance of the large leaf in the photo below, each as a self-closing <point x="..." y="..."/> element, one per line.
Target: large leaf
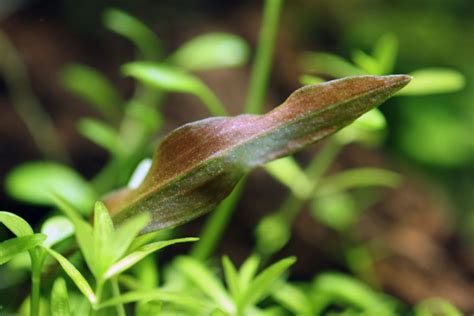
<point x="198" y="165"/>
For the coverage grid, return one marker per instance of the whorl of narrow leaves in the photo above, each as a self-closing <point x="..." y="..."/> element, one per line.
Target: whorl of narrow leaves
<point x="198" y="164"/>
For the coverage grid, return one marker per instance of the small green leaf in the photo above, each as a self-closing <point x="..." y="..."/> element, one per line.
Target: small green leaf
<point x="329" y="64"/>
<point x="436" y="306"/>
<point x="206" y="281"/>
<point x="310" y="79"/>
<point x="247" y="271"/>
<point x="147" y="43"/>
<point x="369" y="129"/>
<point x="94" y="88"/>
<point x="137" y="255"/>
<point x="366" y="62"/>
<point x="33" y="182"/>
<point x="288" y="172"/>
<point x="15" y="224"/>
<point x="75" y="275"/>
<point x="11" y="247"/>
<point x="103" y="234"/>
<point x="60" y="299"/>
<point x="99" y="133"/>
<point x="173" y="79"/>
<point x="385" y="52"/>
<point x="56" y="228"/>
<point x="231" y="277"/>
<point x="84" y="232"/>
<point x="433" y="81"/>
<point x="198" y="165"/>
<point x="294" y="299"/>
<point x="211" y="51"/>
<point x="261" y="286"/>
<point x="179" y="299"/>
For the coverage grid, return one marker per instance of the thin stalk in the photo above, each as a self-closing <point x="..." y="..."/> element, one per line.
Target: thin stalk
<point x="216" y="224"/>
<point x="98" y="294"/>
<point x="116" y="293"/>
<point x="37" y="259"/>
<point x="263" y="57"/>
<point x="26" y="104"/>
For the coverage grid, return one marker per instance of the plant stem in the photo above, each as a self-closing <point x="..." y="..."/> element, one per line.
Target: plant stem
<point x="263" y="57"/>
<point x="36" y="264"/>
<point x="116" y="293"/>
<point x="216" y="224"/>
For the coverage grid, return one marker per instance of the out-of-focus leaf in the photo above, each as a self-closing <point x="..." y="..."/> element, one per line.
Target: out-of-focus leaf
<point x="272" y="233"/>
<point x="15" y="224"/>
<point x="310" y="79"/>
<point x="231" y="277"/>
<point x="134" y="30"/>
<point x="14" y="246"/>
<point x="199" y="164"/>
<point x="337" y="211"/>
<point x="99" y="133"/>
<point x="173" y="79"/>
<point x="137" y="255"/>
<point x="385" y="52"/>
<point x="94" y="88"/>
<point x="294" y="299"/>
<point x="329" y="64"/>
<point x="366" y="62"/>
<point x="436" y="306"/>
<point x="261" y="286"/>
<point x="75" y="275"/>
<point x="179" y="299"/>
<point x="433" y="81"/>
<point x="103" y="235"/>
<point x="369" y="129"/>
<point x="211" y="51"/>
<point x="351" y="291"/>
<point x="60" y="299"/>
<point x="247" y="271"/>
<point x="33" y="182"/>
<point x="56" y="229"/>
<point x="206" y="281"/>
<point x="288" y="172"/>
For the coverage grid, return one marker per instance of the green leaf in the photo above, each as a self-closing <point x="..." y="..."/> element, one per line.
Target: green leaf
<point x="33" y="182"/>
<point x="329" y="64"/>
<point x="288" y="172"/>
<point x="366" y="62"/>
<point x="56" y="228"/>
<point x="261" y="286"/>
<point x="103" y="234"/>
<point x="198" y="165"/>
<point x="11" y="247"/>
<point x="385" y="52"/>
<point x="351" y="291"/>
<point x="173" y="79"/>
<point x="179" y="299"/>
<point x="60" y="299"/>
<point x="294" y="299"/>
<point x="433" y="81"/>
<point x="310" y="79"/>
<point x="436" y="306"/>
<point x="94" y="88"/>
<point x="369" y="129"/>
<point x="75" y="275"/>
<point x="137" y="255"/>
<point x="206" y="281"/>
<point x="15" y="224"/>
<point x="272" y="233"/>
<point x="99" y="133"/>
<point x="84" y="232"/>
<point x="247" y="271"/>
<point x="231" y="277"/>
<point x="147" y="43"/>
<point x="211" y="51"/>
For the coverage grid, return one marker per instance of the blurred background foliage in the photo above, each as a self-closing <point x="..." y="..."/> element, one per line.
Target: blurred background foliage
<point x="430" y="138"/>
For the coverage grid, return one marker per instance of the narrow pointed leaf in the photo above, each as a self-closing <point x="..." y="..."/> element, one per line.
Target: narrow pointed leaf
<point x="103" y="234"/>
<point x="434" y="80"/>
<point x="15" y="224"/>
<point x="141" y="253"/>
<point x="99" y="133"/>
<point x="231" y="277"/>
<point x="60" y="299"/>
<point x="14" y="246"/>
<point x="74" y="274"/>
<point x="198" y="165"/>
<point x="329" y="64"/>
<point x="385" y="51"/>
<point x="210" y="51"/>
<point x="366" y="62"/>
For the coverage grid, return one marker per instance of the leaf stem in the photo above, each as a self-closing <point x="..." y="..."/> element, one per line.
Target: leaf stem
<point x="37" y="259"/>
<point x="116" y="293"/>
<point x="263" y="57"/>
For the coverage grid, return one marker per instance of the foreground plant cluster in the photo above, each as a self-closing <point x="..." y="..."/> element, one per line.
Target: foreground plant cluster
<point x="96" y="258"/>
